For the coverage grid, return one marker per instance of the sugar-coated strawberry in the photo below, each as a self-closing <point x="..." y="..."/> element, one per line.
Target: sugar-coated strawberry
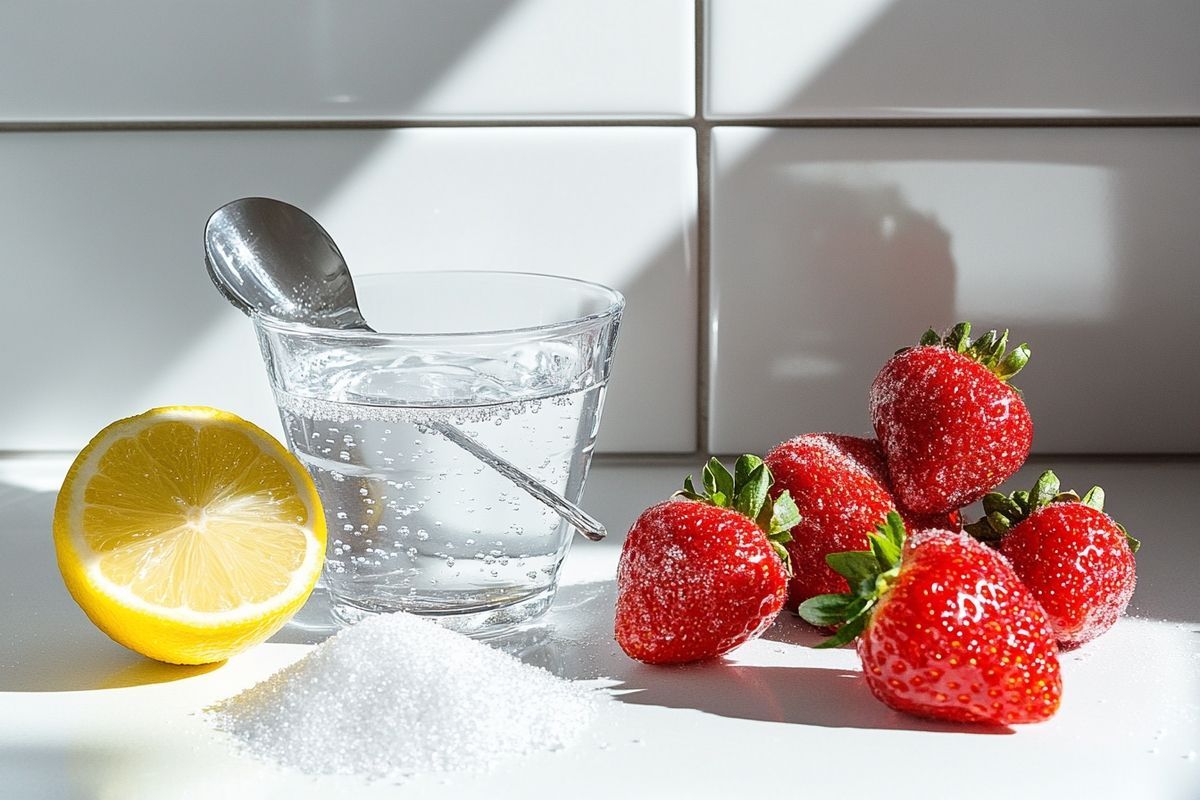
<point x="1072" y="556"/>
<point x="945" y="629"/>
<point x="703" y="574"/>
<point x="951" y="427"/>
<point x="839" y="486"/>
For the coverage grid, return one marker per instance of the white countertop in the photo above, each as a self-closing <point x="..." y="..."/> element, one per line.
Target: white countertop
<point x="83" y="717"/>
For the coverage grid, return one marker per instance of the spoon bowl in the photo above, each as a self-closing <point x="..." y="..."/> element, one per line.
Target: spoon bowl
<point x="269" y="256"/>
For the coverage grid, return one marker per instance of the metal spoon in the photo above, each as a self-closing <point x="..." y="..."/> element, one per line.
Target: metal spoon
<point x="268" y="256"/>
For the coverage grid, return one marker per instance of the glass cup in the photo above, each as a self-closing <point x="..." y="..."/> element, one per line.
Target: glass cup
<point x="518" y="362"/>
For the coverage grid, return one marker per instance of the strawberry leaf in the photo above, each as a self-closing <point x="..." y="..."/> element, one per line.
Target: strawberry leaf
<point x="997" y="351"/>
<point x="1134" y="544"/>
<point x="1013" y="363"/>
<point x="848" y="632"/>
<point x="1004" y="512"/>
<point x="870" y="575"/>
<point x="959" y="337"/>
<point x="987" y="349"/>
<point x="825" y="610"/>
<point x="718" y="481"/>
<point x="752" y="490"/>
<point x="981" y="349"/>
<point x="885" y="552"/>
<point x="1094" y="498"/>
<point x="996" y="503"/>
<point x="990" y="529"/>
<point x="689" y="491"/>
<point x="888" y="542"/>
<point x="743" y="467"/>
<point x="854" y="566"/>
<point x="746" y="490"/>
<point x="894" y="530"/>
<point x="1044" y="491"/>
<point x="784" y="515"/>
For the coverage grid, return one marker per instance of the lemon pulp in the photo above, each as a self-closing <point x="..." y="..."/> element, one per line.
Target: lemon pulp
<point x="188" y="534"/>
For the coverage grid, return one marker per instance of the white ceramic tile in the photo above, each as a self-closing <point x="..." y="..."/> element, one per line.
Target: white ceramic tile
<point x="974" y="58"/>
<point x="75" y="60"/>
<point x="108" y="309"/>
<point x="832" y="248"/>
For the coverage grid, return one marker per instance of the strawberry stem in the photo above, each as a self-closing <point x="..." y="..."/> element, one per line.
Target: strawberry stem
<point x="988" y="349"/>
<point x="746" y="490"/>
<point x="1003" y="512"/>
<point x="870" y="574"/>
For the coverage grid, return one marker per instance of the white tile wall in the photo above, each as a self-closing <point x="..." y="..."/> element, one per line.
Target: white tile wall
<point x="75" y="60"/>
<point x="429" y="133"/>
<point x="112" y="311"/>
<point x="832" y="248"/>
<point x="946" y="58"/>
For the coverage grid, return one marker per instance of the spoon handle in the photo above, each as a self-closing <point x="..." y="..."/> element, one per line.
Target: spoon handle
<point x="583" y="522"/>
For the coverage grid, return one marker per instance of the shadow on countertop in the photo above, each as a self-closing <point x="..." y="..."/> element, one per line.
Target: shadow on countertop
<point x="49" y="645"/>
<point x="576" y="642"/>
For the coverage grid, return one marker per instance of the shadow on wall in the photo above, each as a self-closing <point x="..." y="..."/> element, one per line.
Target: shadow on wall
<point x="874" y="262"/>
<point x="417" y="43"/>
<point x="1079" y="240"/>
<point x="75" y="253"/>
<point x="1082" y="241"/>
<point x="915" y="50"/>
<point x="656" y="276"/>
<point x="864" y="266"/>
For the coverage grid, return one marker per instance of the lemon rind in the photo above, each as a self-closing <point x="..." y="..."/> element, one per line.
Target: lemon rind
<point x="69" y="529"/>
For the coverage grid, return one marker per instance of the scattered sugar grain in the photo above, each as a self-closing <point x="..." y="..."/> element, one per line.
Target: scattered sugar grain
<point x="397" y="695"/>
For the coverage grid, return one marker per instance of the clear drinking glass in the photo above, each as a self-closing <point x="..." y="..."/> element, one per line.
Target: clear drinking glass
<point x="517" y="361"/>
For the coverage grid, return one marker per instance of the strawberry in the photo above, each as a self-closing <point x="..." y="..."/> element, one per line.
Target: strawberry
<point x="839" y="486"/>
<point x="1072" y="556"/>
<point x="701" y="575"/>
<point x="945" y="629"/>
<point x="951" y="426"/>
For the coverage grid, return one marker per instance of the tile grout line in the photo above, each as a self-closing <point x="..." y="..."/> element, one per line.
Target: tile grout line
<point x="964" y="122"/>
<point x="697" y="121"/>
<point x="341" y="124"/>
<point x="703" y="266"/>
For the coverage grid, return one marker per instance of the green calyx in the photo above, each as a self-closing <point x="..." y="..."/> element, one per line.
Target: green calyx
<point x="1002" y="512"/>
<point x="745" y="491"/>
<point x="988" y="349"/>
<point x="870" y="574"/>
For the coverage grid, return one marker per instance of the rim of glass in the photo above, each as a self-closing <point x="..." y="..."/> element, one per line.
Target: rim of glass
<point x="615" y="306"/>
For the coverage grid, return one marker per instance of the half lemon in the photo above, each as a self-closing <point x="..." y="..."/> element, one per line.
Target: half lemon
<point x="188" y="534"/>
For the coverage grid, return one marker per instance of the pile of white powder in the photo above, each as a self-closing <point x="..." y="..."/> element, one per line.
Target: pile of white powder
<point x="397" y="695"/>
